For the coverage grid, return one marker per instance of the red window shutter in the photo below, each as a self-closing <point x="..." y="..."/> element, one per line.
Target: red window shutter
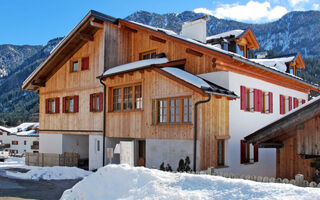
<point x="290" y="103"/>
<point x="76" y="103"/>
<point x="303" y="101"/>
<point x="64" y="104"/>
<point x="47" y="105"/>
<point x="260" y="101"/>
<point x="242" y="151"/>
<point x="295" y="102"/>
<point x="100" y="101"/>
<point x="270" y="102"/>
<point x="85" y="63"/>
<point x="281" y="104"/>
<point x="243" y="98"/>
<point x="255" y="153"/>
<point x="256" y="100"/>
<point x="91" y="102"/>
<point x="57" y="105"/>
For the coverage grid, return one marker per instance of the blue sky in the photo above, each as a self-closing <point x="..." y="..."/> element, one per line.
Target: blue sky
<point x="37" y="21"/>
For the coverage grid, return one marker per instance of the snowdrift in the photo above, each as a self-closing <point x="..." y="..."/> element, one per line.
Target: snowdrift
<point x="125" y="182"/>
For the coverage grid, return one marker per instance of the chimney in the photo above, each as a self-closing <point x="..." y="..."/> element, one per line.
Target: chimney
<point x="196" y="29"/>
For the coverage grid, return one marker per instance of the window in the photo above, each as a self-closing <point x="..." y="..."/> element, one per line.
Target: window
<point x="173" y="110"/>
<point x="85" y="63"/>
<point x="248" y="153"/>
<point x="127" y="98"/>
<point x="285" y="104"/>
<point x="255" y="100"/>
<point x="52" y="105"/>
<point x="148" y="55"/>
<point x="14" y="142"/>
<point x="97" y="145"/>
<point x="24" y="142"/>
<point x="71" y="104"/>
<point x="162" y="110"/>
<point x="220" y="152"/>
<point x="116" y="99"/>
<point x="138" y="97"/>
<point x="74" y="66"/>
<point x="239" y="50"/>
<point x="187" y="108"/>
<point x="96" y="102"/>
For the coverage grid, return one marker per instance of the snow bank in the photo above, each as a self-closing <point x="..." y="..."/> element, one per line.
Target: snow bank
<point x="125" y="182"/>
<point x="50" y="173"/>
<point x="13" y="162"/>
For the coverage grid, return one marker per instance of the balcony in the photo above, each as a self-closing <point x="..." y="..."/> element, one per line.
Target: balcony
<point x="35" y="147"/>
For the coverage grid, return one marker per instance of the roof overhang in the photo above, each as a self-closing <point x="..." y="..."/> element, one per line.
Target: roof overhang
<point x="248" y="38"/>
<point x="80" y="35"/>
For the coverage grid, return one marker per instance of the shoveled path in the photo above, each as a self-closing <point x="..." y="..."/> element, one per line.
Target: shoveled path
<point x="29" y="189"/>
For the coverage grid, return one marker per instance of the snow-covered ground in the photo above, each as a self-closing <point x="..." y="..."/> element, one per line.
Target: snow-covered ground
<point x="37" y="173"/>
<point x="125" y="182"/>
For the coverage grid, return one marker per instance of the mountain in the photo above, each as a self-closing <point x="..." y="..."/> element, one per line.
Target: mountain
<point x="16" y="105"/>
<point x="294" y="32"/>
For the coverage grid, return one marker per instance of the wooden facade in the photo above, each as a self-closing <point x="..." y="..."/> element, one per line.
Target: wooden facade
<point x="137" y="124"/>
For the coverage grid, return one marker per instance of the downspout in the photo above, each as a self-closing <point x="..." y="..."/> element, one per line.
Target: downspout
<point x="195" y="131"/>
<point x="104" y="122"/>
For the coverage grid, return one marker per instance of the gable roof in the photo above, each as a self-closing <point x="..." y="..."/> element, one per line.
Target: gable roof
<point x="157" y="64"/>
<point x="90" y="24"/>
<point x="84" y="31"/>
<point x="289" y="121"/>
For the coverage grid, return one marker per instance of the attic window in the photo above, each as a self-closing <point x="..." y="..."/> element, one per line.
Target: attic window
<point x="148" y="55"/>
<point x="74" y="66"/>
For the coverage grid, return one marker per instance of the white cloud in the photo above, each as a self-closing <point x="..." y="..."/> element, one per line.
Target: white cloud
<point x="252" y="11"/>
<point x="315" y="6"/>
<point x="295" y="2"/>
<point x="203" y="10"/>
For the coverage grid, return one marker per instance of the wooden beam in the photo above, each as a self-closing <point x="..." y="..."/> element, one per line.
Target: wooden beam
<point x="157" y="39"/>
<point x="129" y="28"/>
<point x="85" y="37"/>
<point x="271" y="145"/>
<point x="193" y="52"/>
<point x="96" y="25"/>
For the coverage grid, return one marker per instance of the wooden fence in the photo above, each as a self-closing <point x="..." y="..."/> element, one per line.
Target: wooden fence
<point x="51" y="159"/>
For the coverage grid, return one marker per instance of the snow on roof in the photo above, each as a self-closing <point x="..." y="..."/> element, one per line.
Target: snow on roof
<point x="134" y="66"/>
<point x="278" y="63"/>
<point x="5" y="129"/>
<point x="25" y="129"/>
<point x="125" y="182"/>
<point x="189" y="78"/>
<point x="236" y="34"/>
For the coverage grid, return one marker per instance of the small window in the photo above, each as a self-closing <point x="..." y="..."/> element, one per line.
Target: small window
<point x="249" y="153"/>
<point x="52" y="105"/>
<point x="14" y="142"/>
<point x="96" y="101"/>
<point x="24" y="142"/>
<point x="220" y="152"/>
<point x="148" y="55"/>
<point x="74" y="66"/>
<point x="98" y="145"/>
<point x="116" y="99"/>
<point x="71" y="104"/>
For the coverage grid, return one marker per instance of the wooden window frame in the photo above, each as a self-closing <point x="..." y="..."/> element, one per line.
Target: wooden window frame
<point x="94" y="105"/>
<point x="168" y="110"/>
<point x="71" y="65"/>
<point x="122" y="96"/>
<point x="189" y="110"/>
<point x="150" y="52"/>
<point x="66" y="107"/>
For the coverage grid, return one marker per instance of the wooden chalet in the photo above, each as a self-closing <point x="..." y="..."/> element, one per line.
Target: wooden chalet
<point x="296" y="137"/>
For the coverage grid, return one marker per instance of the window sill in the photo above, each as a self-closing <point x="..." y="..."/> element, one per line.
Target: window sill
<point x="126" y="111"/>
<point x="248" y="163"/>
<point x="170" y="124"/>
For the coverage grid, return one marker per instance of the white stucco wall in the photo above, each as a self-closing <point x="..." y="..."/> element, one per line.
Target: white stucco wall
<point x="243" y="123"/>
<point x="169" y="152"/>
<point x="95" y="154"/>
<point x="76" y="144"/>
<point x="50" y="143"/>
